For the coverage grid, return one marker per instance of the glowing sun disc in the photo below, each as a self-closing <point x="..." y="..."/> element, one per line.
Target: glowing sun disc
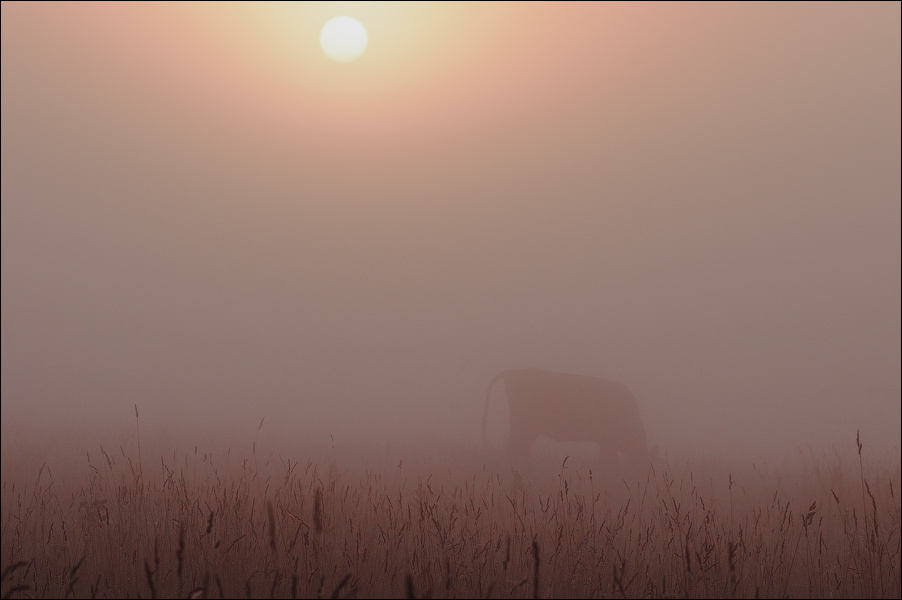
<point x="343" y="38"/>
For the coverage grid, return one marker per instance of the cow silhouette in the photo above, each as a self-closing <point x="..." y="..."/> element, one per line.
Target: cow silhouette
<point x="566" y="407"/>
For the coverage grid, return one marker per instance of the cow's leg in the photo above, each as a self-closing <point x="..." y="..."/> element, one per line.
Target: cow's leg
<point x="609" y="462"/>
<point x="518" y="447"/>
<point x="636" y="461"/>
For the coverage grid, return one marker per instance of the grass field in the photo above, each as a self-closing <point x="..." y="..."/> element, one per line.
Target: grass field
<point x="111" y="523"/>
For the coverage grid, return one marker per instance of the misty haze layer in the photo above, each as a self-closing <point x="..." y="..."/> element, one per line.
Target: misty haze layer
<point x="701" y="202"/>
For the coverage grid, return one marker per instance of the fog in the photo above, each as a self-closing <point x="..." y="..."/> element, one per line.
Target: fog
<point x="210" y="221"/>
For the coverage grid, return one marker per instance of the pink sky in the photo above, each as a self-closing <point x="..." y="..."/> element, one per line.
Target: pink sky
<point x="205" y="216"/>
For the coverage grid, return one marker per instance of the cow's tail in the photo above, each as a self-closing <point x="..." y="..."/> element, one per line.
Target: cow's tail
<point x="488" y="394"/>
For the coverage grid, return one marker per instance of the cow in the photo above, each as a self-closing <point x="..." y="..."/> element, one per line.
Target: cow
<point x="566" y="408"/>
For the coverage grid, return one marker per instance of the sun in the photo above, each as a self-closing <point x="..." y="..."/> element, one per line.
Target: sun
<point x="343" y="39"/>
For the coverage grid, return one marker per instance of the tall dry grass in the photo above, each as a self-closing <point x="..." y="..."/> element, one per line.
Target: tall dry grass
<point x="199" y="524"/>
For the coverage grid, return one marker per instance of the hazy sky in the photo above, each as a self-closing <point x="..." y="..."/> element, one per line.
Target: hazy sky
<point x="205" y="216"/>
